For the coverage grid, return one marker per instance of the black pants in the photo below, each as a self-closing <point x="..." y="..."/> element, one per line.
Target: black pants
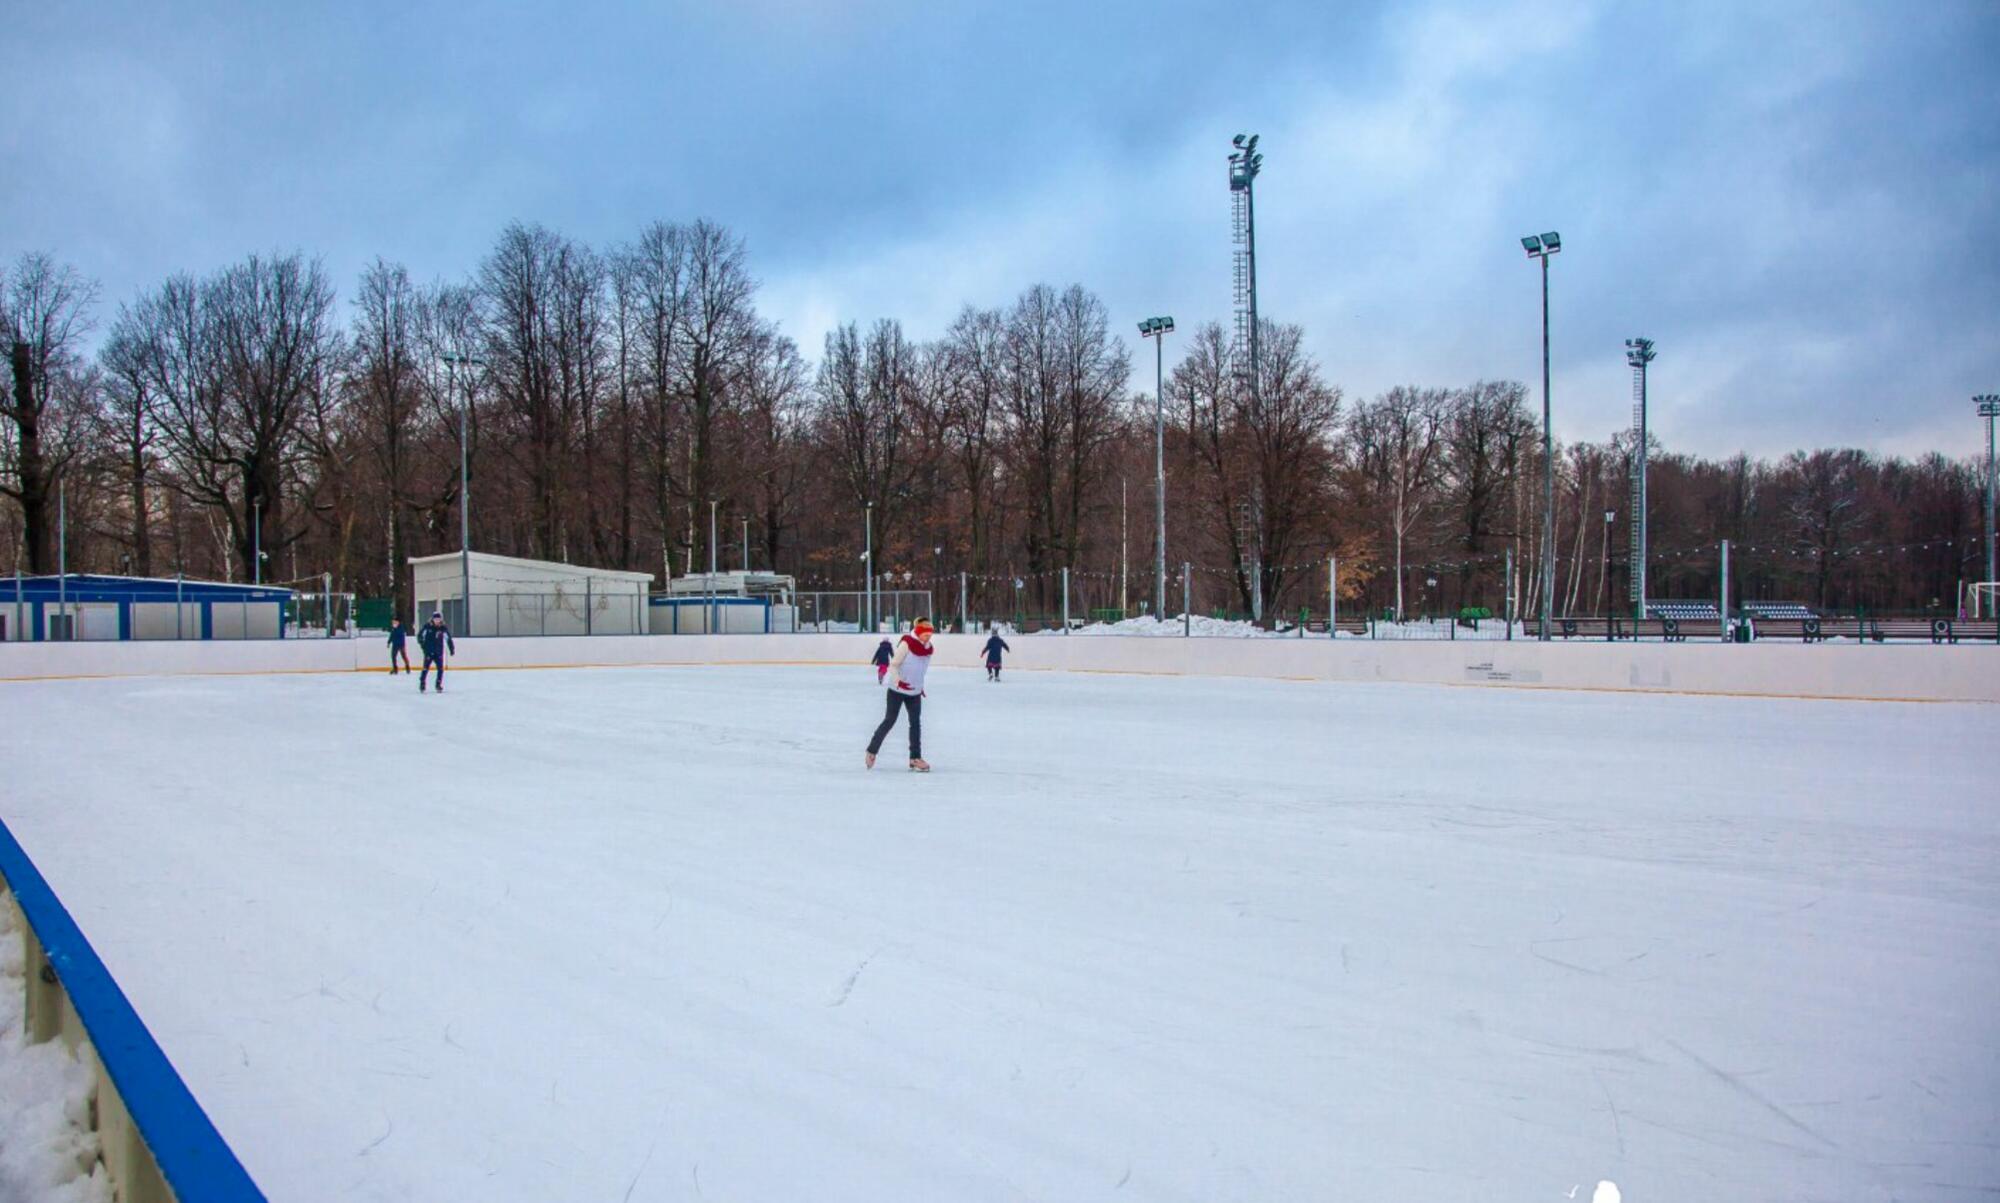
<point x="428" y="661"/>
<point x="898" y="701"/>
<point x="395" y="654"/>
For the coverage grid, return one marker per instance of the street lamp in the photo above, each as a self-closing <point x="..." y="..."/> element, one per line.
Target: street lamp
<point x="1545" y="247"/>
<point x="1604" y="560"/>
<point x="1989" y="408"/>
<point x="868" y="558"/>
<point x="454" y="363"/>
<point x="1157" y="329"/>
<point x="1639" y="353"/>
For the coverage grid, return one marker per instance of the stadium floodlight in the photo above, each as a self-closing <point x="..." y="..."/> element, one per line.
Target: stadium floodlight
<point x="1989" y="408"/>
<point x="1544" y="247"/>
<point x="1157" y="329"/>
<point x="1638" y="353"/>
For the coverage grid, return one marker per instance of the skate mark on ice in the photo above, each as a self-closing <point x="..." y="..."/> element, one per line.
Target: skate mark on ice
<point x="640" y="1172"/>
<point x="448" y="1040"/>
<point x="847" y="987"/>
<point x="1737" y="1084"/>
<point x="1123" y="1178"/>
<point x="1617" y="1126"/>
<point x="371" y="1146"/>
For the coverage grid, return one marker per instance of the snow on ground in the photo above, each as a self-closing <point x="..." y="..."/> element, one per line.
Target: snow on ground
<point x="47" y="1152"/>
<point x="654" y="935"/>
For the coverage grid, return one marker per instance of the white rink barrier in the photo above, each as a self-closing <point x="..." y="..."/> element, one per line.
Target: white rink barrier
<point x="1907" y="672"/>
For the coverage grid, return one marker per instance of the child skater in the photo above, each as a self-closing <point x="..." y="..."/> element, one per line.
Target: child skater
<point x="994" y="647"/>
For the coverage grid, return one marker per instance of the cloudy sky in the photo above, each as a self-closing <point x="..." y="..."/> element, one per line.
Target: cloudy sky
<point x="1797" y="201"/>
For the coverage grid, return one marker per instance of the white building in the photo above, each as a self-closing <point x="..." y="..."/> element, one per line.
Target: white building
<point x="529" y="597"/>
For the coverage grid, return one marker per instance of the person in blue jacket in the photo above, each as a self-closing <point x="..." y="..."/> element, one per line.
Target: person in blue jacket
<point x="994" y="647"/>
<point x="883" y="655"/>
<point x="398" y="638"/>
<point x="435" y="640"/>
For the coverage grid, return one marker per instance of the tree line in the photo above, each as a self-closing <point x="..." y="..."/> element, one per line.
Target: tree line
<point x="629" y="407"/>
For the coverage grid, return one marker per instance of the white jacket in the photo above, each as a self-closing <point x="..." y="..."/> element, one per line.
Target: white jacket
<point x="907" y="667"/>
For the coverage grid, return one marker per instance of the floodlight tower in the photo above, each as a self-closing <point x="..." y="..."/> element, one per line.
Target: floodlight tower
<point x="1989" y="408"/>
<point x="1244" y="165"/>
<point x="1544" y="247"/>
<point x="1157" y="329"/>
<point x="1639" y="353"/>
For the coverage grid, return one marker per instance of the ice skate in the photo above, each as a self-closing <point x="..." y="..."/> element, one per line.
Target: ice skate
<point x="920" y="766"/>
<point x="868" y="761"/>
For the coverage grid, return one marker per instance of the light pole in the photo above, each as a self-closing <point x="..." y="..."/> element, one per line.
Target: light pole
<point x="455" y="362"/>
<point x="257" y="540"/>
<point x="746" y="546"/>
<point x="1989" y="408"/>
<point x="1157" y="329"/>
<point x="1639" y="353"/>
<point x="868" y="558"/>
<point x="1244" y="166"/>
<point x="1604" y="560"/>
<point x="1545" y="247"/>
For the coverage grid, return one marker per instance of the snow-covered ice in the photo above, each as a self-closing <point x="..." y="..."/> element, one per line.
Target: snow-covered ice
<point x="653" y="934"/>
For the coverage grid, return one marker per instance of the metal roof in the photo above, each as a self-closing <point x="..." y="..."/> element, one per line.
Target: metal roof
<point x="89" y="587"/>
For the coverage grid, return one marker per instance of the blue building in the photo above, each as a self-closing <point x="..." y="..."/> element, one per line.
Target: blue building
<point x="37" y="608"/>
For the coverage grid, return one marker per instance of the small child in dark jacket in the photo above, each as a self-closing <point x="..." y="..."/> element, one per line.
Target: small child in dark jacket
<point x="398" y="637"/>
<point x="883" y="655"/>
<point x="994" y="647"/>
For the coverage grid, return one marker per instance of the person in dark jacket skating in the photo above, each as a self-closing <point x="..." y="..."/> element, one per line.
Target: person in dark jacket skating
<point x="883" y="655"/>
<point x="994" y="647"/>
<point x="398" y="638"/>
<point x="435" y="640"/>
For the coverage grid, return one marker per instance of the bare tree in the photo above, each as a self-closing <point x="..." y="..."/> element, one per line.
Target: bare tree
<point x="230" y="366"/>
<point x="1396" y="444"/>
<point x="44" y="312"/>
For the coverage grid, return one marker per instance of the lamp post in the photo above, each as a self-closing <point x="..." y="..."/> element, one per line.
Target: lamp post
<point x="257" y="540"/>
<point x="1545" y="247"/>
<point x="454" y="363"/>
<point x="1639" y="353"/>
<point x="868" y="558"/>
<point x="1989" y="408"/>
<point x="1604" y="558"/>
<point x="1157" y="329"/>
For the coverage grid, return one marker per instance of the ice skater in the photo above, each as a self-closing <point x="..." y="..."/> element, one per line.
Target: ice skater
<point x="883" y="655"/>
<point x="906" y="692"/>
<point x="398" y="646"/>
<point x="994" y="647"/>
<point x="434" y="640"/>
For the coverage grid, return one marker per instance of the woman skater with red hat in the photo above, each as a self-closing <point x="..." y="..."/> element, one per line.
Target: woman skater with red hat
<point x="906" y="692"/>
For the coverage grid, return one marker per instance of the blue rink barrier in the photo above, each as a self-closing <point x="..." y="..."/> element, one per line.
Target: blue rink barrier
<point x="184" y="1147"/>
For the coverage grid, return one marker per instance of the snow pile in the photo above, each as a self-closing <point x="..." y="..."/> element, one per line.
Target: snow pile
<point x="1146" y="624"/>
<point x="47" y="1152"/>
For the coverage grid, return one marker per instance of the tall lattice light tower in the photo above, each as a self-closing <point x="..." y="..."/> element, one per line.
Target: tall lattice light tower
<point x="1638" y="353"/>
<point x="1244" y="164"/>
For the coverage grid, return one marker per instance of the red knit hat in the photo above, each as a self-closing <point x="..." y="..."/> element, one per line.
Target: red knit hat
<point x="923" y="625"/>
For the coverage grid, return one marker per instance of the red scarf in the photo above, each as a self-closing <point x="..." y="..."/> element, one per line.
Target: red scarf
<point x="917" y="646"/>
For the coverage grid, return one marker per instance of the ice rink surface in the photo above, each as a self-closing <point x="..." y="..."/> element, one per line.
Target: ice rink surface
<point x="653" y="934"/>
